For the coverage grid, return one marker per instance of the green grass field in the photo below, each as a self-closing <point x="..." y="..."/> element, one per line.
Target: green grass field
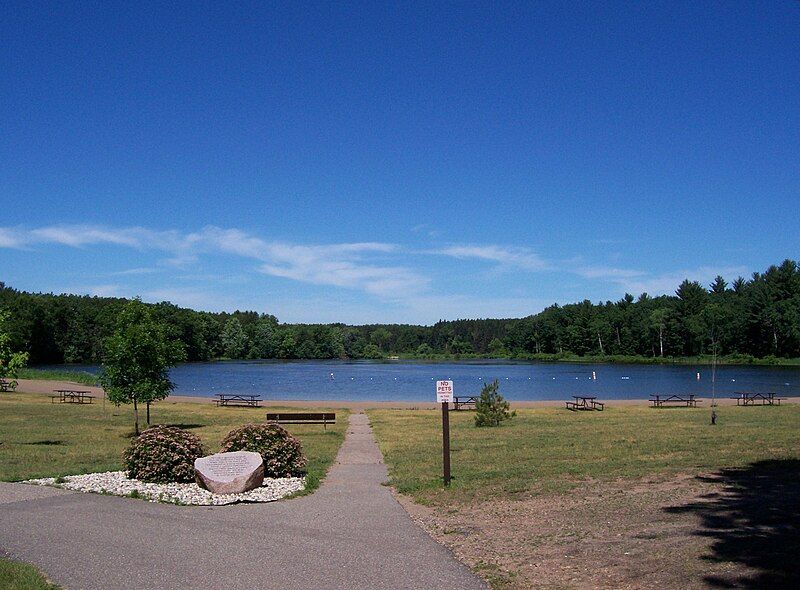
<point x="21" y="576"/>
<point x="551" y="449"/>
<point x="41" y="439"/>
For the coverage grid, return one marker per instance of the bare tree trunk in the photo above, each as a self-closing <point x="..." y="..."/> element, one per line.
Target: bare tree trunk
<point x="600" y="341"/>
<point x="619" y="340"/>
<point x="661" y="341"/>
<point x="148" y="414"/>
<point x="774" y="341"/>
<point x="135" y="417"/>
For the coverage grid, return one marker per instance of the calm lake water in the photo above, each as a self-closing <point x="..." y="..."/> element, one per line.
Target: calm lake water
<point x="414" y="381"/>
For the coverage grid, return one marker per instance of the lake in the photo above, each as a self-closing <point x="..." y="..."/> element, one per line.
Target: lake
<point x="413" y="381"/>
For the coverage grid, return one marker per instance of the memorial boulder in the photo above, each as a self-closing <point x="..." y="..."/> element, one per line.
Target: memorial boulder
<point x="230" y="473"/>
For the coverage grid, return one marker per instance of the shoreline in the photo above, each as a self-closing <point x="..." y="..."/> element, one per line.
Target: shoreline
<point x="46" y="387"/>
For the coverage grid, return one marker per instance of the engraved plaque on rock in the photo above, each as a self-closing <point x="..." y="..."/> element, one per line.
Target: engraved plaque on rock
<point x="229" y="473"/>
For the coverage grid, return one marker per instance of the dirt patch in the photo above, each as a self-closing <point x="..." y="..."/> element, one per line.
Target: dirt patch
<point x="657" y="532"/>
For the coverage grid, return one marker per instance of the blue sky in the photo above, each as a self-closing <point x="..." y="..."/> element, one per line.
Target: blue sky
<point x="403" y="162"/>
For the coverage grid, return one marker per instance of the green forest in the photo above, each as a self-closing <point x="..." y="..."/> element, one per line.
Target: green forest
<point x="755" y="319"/>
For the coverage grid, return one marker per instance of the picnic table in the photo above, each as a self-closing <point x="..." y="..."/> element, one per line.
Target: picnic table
<point x="72" y="396"/>
<point x="585" y="402"/>
<point x="464" y="402"/>
<point x="677" y="399"/>
<point x="753" y="398"/>
<point x="238" y="399"/>
<point x="7" y="385"/>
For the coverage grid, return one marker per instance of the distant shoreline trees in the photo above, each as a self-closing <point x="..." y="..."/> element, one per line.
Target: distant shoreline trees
<point x="754" y="318"/>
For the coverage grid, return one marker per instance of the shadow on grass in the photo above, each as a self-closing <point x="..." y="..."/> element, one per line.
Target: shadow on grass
<point x="183" y="425"/>
<point x="755" y="522"/>
<point x="46" y="442"/>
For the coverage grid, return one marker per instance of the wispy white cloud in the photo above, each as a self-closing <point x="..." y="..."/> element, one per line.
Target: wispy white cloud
<point x="638" y="281"/>
<point x="347" y="265"/>
<point x="608" y="272"/>
<point x="389" y="273"/>
<point x="667" y="282"/>
<point x="507" y="256"/>
<point x="343" y="265"/>
<point x="102" y="290"/>
<point x="136" y="271"/>
<point x="11" y="238"/>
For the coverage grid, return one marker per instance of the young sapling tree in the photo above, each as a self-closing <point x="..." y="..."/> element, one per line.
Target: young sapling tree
<point x="137" y="358"/>
<point x="491" y="408"/>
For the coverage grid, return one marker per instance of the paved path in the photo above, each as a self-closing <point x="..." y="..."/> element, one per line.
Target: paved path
<point x="351" y="533"/>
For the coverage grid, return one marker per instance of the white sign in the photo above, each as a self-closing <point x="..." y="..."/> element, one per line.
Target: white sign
<point x="444" y="392"/>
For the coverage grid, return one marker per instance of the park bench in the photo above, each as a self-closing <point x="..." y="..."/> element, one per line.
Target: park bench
<point x="323" y="418"/>
<point x="585" y="403"/>
<point x="751" y="398"/>
<point x="71" y="396"/>
<point x="7" y="385"/>
<point x="464" y="402"/>
<point x="660" y="401"/>
<point x="238" y="399"/>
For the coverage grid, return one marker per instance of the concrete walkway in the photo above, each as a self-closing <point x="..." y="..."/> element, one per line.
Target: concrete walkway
<point x="351" y="533"/>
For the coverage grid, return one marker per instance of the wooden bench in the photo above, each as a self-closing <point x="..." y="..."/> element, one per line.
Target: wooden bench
<point x="7" y="385"/>
<point x="238" y="399"/>
<point x="323" y="418"/>
<point x="464" y="402"/>
<point x="687" y="400"/>
<point x="71" y="396"/>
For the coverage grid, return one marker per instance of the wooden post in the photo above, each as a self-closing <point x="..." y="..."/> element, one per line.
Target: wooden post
<point x="446" y="442"/>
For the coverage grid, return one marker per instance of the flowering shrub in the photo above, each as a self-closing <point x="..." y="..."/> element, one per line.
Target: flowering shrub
<point x="282" y="453"/>
<point x="163" y="454"/>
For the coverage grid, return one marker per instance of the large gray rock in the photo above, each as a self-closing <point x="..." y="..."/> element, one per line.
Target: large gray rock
<point x="229" y="473"/>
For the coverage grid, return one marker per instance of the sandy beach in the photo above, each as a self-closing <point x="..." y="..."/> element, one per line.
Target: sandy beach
<point x="41" y="386"/>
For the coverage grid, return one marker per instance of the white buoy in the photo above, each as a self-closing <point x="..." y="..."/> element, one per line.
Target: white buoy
<point x="698" y="376"/>
<point x="594" y="376"/>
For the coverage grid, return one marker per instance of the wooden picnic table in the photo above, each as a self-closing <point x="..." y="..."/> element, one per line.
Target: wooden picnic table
<point x="464" y="402"/>
<point x="238" y="399"/>
<point x="72" y="396"/>
<point x="677" y="399"/>
<point x="585" y="402"/>
<point x="8" y="385"/>
<point x="755" y="398"/>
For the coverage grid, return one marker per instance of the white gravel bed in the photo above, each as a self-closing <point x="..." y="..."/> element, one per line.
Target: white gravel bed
<point x="118" y="484"/>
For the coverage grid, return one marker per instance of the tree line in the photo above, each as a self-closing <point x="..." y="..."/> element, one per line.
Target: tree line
<point x="757" y="317"/>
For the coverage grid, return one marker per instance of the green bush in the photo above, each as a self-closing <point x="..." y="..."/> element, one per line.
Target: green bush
<point x="163" y="454"/>
<point x="282" y="453"/>
<point x="491" y="407"/>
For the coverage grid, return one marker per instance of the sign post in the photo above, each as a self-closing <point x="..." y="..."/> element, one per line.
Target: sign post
<point x="444" y="395"/>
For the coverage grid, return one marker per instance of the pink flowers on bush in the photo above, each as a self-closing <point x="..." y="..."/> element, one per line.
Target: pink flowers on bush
<point x="163" y="454"/>
<point x="282" y="453"/>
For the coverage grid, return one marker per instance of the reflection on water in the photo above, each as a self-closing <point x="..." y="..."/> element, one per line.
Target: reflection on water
<point x="414" y="381"/>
